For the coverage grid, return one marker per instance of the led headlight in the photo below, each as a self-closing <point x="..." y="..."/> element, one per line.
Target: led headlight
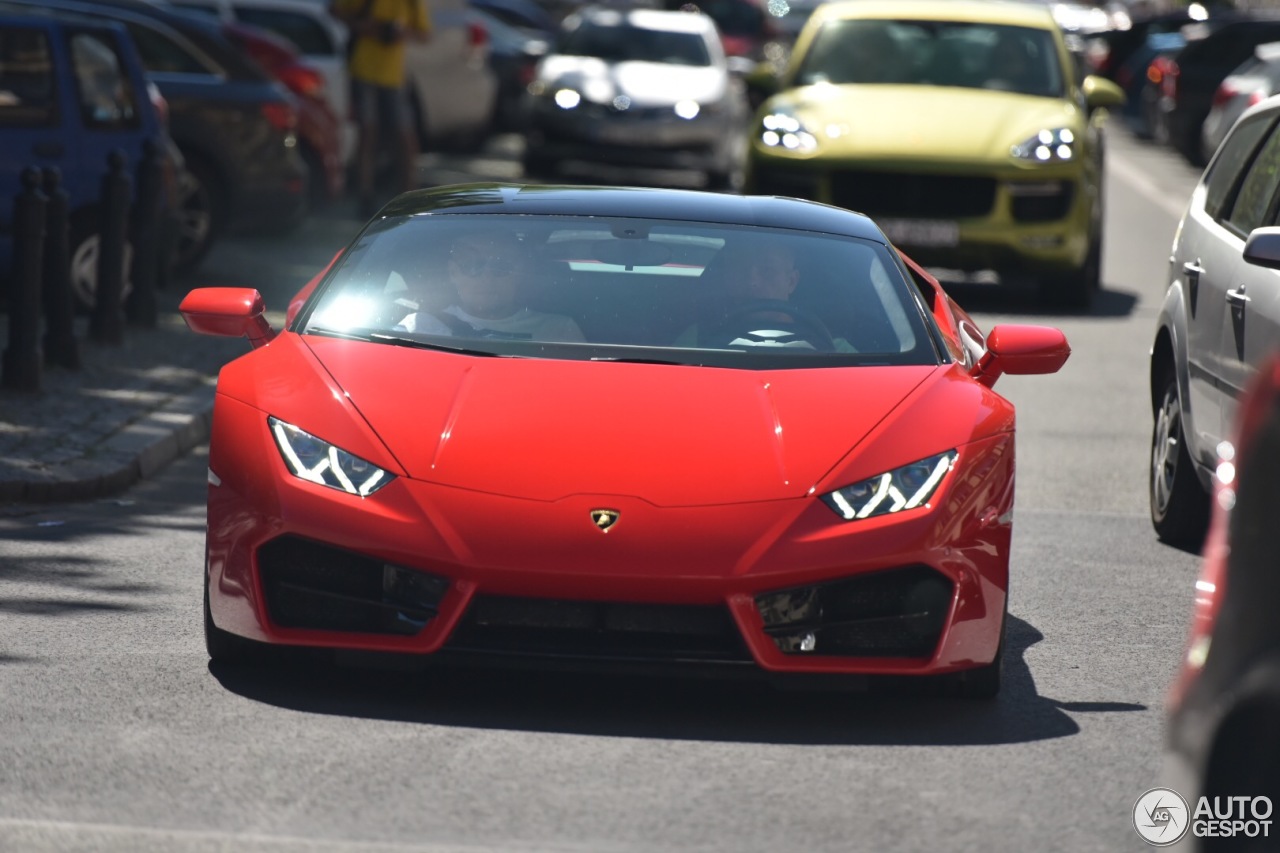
<point x="782" y="130"/>
<point x="318" y="461"/>
<point x="902" y="488"/>
<point x="1056" y="145"/>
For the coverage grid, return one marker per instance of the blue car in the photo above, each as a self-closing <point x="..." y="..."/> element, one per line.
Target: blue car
<point x="71" y="91"/>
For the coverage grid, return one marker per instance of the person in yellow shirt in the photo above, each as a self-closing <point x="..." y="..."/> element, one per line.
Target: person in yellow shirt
<point x="379" y="31"/>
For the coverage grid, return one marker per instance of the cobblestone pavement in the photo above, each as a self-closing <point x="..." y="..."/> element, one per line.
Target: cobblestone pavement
<point x="132" y="408"/>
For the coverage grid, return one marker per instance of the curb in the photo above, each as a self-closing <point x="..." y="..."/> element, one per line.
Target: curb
<point x="147" y="445"/>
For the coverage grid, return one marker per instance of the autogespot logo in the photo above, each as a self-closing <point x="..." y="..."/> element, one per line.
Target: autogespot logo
<point x="1161" y="817"/>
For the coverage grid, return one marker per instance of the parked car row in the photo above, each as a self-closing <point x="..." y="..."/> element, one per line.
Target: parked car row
<point x="1175" y="66"/>
<point x="249" y="97"/>
<point x="72" y="90"/>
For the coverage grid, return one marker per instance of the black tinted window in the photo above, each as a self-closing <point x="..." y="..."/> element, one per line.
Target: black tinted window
<point x="935" y="53"/>
<point x="1235" y="154"/>
<point x="163" y="54"/>
<point x="1253" y="201"/>
<point x="27" y="86"/>
<point x="634" y="44"/>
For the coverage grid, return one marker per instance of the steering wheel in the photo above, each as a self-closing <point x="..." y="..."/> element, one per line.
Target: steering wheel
<point x="772" y="323"/>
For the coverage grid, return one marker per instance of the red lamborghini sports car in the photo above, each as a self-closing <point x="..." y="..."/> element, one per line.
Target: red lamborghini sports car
<point x="616" y="425"/>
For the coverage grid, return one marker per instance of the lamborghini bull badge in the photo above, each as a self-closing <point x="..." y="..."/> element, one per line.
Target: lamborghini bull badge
<point x="604" y="518"/>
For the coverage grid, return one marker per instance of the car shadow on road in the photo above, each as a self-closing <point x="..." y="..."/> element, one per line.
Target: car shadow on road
<point x="663" y="708"/>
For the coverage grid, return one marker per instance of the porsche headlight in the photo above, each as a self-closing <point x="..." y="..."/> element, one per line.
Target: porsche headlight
<point x="783" y="130"/>
<point x="1052" y="145"/>
<point x="902" y="488"/>
<point x="318" y="461"/>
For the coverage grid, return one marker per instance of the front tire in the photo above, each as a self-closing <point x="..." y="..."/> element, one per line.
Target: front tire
<point x="1179" y="503"/>
<point x="224" y="647"/>
<point x="201" y="214"/>
<point x="1075" y="289"/>
<point x="983" y="682"/>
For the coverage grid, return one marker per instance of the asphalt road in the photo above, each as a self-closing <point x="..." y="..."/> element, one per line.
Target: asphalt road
<point x="116" y="734"/>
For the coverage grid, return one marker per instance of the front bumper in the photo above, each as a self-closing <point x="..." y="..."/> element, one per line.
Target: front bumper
<point x="422" y="568"/>
<point x="1011" y="220"/>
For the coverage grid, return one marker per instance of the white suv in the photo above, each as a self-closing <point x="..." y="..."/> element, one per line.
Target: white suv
<point x="1219" y="320"/>
<point x="452" y="88"/>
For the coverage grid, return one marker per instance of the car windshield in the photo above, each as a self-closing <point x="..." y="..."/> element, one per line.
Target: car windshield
<point x="627" y="43"/>
<point x="605" y="288"/>
<point x="935" y="53"/>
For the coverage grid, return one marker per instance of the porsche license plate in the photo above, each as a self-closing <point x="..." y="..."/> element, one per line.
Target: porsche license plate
<point x="921" y="232"/>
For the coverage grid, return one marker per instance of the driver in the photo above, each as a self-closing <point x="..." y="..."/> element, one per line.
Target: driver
<point x="486" y="270"/>
<point x="763" y="271"/>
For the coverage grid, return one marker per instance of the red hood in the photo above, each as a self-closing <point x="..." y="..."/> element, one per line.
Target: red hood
<point x="545" y="429"/>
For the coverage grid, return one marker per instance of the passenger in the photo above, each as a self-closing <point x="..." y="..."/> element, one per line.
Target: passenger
<point x="760" y="280"/>
<point x="486" y="271"/>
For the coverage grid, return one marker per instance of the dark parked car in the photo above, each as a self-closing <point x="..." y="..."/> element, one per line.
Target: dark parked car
<point x="235" y="126"/>
<point x="525" y="15"/>
<point x="1143" y="79"/>
<point x="1193" y="74"/>
<point x="72" y="89"/>
<point x="514" y="54"/>
<point x="1107" y="52"/>
<point x="320" y="130"/>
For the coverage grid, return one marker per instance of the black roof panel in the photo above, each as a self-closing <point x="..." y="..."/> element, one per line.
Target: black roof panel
<point x="691" y="205"/>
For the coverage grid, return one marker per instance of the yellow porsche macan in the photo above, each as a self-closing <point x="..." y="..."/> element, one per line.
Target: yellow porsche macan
<point x="960" y="126"/>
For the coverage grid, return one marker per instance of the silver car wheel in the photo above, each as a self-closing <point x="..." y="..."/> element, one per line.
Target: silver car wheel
<point x="84" y="270"/>
<point x="1164" y="450"/>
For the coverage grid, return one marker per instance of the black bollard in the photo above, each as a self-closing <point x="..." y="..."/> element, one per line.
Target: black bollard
<point x="21" y="362"/>
<point x="140" y="308"/>
<point x="60" y="345"/>
<point x="106" y="324"/>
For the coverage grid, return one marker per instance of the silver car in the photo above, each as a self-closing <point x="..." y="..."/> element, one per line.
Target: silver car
<point x="1257" y="78"/>
<point x="641" y="87"/>
<point x="1219" y="319"/>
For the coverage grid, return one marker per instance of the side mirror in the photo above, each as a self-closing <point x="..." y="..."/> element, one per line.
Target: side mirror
<point x="740" y="66"/>
<point x="228" y="311"/>
<point x="1021" y="350"/>
<point x="1262" y="249"/>
<point x="1101" y="93"/>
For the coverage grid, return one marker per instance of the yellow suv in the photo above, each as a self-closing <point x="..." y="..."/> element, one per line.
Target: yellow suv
<point x="961" y="126"/>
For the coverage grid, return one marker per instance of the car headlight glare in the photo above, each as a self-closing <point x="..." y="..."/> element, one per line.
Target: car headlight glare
<point x="1056" y="145"/>
<point x="781" y="130"/>
<point x="902" y="488"/>
<point x="687" y="109"/>
<point x="567" y="99"/>
<point x="317" y="461"/>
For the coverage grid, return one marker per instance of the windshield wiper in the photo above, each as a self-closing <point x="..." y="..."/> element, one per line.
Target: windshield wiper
<point x="444" y="347"/>
<point x="623" y="360"/>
